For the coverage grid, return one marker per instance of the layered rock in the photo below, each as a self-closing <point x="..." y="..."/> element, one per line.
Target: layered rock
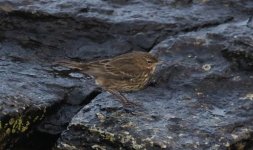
<point x="200" y="97"/>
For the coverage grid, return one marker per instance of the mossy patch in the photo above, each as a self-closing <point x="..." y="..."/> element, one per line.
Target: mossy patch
<point x="19" y="124"/>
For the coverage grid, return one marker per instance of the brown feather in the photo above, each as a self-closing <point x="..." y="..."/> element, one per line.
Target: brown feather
<point x="123" y="73"/>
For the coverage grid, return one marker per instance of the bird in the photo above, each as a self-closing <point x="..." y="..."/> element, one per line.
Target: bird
<point x="127" y="72"/>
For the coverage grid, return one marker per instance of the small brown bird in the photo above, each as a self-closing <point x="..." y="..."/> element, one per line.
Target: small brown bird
<point x="124" y="73"/>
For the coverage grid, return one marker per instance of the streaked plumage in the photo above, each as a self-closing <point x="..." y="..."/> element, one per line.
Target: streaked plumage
<point x="123" y="73"/>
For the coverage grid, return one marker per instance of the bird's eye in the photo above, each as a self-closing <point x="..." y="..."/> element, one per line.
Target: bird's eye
<point x="149" y="61"/>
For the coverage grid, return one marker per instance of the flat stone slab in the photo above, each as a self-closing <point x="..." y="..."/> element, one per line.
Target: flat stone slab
<point x="85" y="30"/>
<point x="200" y="99"/>
<point x="28" y="91"/>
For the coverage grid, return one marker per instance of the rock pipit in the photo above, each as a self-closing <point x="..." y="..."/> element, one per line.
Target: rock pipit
<point x="124" y="73"/>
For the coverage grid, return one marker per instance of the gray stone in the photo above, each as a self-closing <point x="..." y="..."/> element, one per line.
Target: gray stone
<point x="28" y="91"/>
<point x="199" y="98"/>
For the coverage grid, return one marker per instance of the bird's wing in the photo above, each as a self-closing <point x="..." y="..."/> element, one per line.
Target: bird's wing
<point x="120" y="68"/>
<point x="73" y="64"/>
<point x="123" y="68"/>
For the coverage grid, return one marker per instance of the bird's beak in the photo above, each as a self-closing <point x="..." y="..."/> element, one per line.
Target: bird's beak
<point x="162" y="62"/>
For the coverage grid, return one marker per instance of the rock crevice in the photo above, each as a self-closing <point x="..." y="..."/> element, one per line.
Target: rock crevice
<point x="200" y="98"/>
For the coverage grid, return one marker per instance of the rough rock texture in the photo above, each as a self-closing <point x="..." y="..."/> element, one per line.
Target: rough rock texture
<point x="200" y="97"/>
<point x="202" y="101"/>
<point x="29" y="91"/>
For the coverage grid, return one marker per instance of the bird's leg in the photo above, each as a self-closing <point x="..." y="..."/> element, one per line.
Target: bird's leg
<point x="122" y="99"/>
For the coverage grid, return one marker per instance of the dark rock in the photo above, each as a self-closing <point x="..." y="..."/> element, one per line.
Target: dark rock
<point x="250" y="23"/>
<point x="92" y="32"/>
<point x="240" y="47"/>
<point x="200" y="97"/>
<point x="199" y="101"/>
<point x="74" y="101"/>
<point x="244" y="6"/>
<point x="29" y="91"/>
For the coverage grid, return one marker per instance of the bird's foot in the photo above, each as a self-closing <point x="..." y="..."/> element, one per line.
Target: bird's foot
<point x="133" y="108"/>
<point x="129" y="104"/>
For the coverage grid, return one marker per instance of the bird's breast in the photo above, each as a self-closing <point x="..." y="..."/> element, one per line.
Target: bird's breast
<point x="124" y="84"/>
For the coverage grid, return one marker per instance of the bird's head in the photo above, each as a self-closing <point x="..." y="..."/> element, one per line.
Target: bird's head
<point x="148" y="61"/>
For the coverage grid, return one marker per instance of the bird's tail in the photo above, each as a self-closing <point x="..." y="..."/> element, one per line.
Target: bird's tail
<point x="72" y="64"/>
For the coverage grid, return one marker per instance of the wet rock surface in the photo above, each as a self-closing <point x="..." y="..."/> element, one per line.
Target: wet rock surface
<point x="199" y="98"/>
<point x="204" y="102"/>
<point x="30" y="91"/>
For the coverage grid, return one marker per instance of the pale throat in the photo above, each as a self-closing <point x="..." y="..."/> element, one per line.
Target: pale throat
<point x="152" y="68"/>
